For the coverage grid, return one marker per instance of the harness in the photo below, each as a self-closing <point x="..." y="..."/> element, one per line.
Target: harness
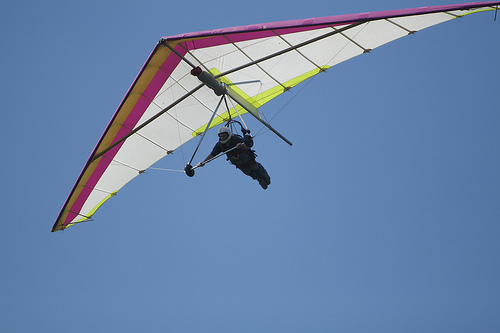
<point x="239" y="158"/>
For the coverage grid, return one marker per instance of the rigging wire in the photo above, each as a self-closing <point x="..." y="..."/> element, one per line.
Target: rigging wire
<point x="163" y="169"/>
<point x="236" y="110"/>
<point x="310" y="80"/>
<point x="206" y="129"/>
<point x="283" y="107"/>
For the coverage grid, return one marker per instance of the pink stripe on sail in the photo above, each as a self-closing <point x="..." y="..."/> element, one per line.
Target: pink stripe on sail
<point x="135" y="115"/>
<point x="259" y="29"/>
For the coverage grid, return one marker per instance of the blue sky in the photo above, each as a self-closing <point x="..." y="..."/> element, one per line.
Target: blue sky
<point x="382" y="217"/>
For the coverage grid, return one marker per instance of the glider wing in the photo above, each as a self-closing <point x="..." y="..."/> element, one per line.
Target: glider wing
<point x="166" y="106"/>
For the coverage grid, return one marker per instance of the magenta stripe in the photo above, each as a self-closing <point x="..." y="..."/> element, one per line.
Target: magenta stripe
<point x="339" y="19"/>
<point x="137" y="112"/>
<point x="244" y="36"/>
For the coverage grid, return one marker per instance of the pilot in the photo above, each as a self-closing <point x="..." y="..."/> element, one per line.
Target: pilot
<point x="241" y="156"/>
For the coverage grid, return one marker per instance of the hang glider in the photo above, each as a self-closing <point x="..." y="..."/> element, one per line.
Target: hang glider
<point x="168" y="105"/>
